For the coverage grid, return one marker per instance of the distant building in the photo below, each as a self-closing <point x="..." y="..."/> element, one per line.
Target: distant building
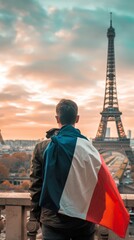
<point x="129" y="134"/>
<point x="108" y="132"/>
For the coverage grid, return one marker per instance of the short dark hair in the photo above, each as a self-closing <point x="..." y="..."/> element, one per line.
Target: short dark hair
<point x="67" y="111"/>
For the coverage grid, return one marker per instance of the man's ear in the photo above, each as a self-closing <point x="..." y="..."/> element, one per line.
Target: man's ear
<point x="77" y="119"/>
<point x="57" y="119"/>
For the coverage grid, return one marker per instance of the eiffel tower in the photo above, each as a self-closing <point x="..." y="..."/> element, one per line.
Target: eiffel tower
<point x="111" y="108"/>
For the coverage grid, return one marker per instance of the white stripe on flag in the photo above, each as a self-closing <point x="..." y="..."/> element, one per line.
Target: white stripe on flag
<point x="81" y="181"/>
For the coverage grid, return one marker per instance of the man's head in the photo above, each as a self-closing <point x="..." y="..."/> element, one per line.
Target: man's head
<point x="67" y="112"/>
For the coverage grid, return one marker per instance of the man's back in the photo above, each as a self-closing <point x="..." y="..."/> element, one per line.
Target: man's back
<point x="48" y="217"/>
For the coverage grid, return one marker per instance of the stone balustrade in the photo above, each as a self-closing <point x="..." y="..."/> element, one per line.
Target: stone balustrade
<point x="15" y="207"/>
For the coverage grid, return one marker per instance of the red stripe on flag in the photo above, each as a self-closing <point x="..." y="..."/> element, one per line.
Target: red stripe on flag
<point x="106" y="206"/>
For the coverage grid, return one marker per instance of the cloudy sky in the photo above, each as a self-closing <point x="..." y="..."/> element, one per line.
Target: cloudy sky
<point x="53" y="49"/>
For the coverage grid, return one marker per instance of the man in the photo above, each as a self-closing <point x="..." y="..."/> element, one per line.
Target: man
<point x="71" y="187"/>
<point x="56" y="226"/>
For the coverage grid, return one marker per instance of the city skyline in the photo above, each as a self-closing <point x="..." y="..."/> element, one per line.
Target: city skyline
<point x="51" y="50"/>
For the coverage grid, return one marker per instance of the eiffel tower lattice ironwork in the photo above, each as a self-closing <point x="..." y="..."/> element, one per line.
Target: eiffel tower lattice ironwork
<point x="111" y="108"/>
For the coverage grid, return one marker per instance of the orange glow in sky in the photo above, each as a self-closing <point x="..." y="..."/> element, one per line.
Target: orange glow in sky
<point x="51" y="50"/>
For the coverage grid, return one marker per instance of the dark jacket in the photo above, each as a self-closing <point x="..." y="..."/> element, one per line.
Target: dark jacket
<point x="36" y="177"/>
<point x="36" y="173"/>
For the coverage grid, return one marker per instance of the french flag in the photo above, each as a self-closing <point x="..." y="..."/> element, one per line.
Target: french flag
<point x="78" y="183"/>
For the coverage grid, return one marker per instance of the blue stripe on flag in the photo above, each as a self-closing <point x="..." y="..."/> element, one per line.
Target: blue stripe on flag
<point x="58" y="158"/>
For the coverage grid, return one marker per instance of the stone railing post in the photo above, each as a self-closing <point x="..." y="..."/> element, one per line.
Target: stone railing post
<point x="103" y="233"/>
<point x="32" y="227"/>
<point x="16" y="207"/>
<point x="2" y="220"/>
<point x="14" y="223"/>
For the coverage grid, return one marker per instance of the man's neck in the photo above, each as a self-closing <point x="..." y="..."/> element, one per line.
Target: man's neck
<point x="60" y="125"/>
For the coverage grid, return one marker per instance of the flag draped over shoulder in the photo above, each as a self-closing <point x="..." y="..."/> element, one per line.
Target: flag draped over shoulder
<point x="77" y="182"/>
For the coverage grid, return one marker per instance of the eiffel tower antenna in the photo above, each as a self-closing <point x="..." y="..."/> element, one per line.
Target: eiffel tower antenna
<point x="110" y="19"/>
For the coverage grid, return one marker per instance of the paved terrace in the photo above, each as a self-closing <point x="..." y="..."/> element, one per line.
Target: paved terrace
<point x="16" y="207"/>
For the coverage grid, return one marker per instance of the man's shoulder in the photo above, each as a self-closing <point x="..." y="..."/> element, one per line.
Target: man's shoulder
<point x="86" y="145"/>
<point x="41" y="146"/>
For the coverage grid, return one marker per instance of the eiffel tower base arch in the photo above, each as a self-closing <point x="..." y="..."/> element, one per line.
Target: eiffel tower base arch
<point x="118" y="145"/>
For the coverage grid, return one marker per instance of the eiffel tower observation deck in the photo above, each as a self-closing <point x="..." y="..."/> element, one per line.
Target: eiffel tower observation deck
<point x="111" y="110"/>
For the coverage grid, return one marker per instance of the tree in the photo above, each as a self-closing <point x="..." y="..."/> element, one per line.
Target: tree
<point x="6" y="185"/>
<point x="4" y="171"/>
<point x="25" y="185"/>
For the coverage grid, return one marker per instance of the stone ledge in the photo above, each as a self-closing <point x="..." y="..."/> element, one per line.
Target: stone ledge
<point x="128" y="199"/>
<point x="23" y="199"/>
<point x="14" y="199"/>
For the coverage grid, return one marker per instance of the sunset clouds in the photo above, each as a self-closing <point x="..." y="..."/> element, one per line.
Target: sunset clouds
<point x="58" y="49"/>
